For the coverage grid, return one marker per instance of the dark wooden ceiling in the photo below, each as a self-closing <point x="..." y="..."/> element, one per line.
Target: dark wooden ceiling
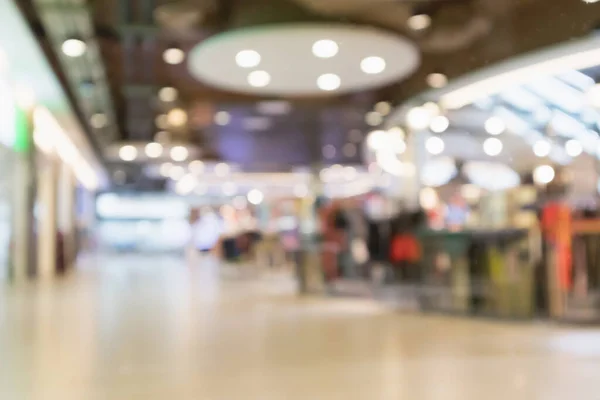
<point x="132" y="42"/>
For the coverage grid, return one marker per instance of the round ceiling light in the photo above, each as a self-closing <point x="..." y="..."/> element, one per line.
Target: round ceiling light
<point x="419" y="22"/>
<point x="543" y="174"/>
<point x="222" y="118"/>
<point x="168" y="94"/>
<point x="74" y="47"/>
<point x="176" y="172"/>
<point x="247" y="58"/>
<point x="325" y="48"/>
<point x="98" y="120"/>
<point x="186" y="184"/>
<point x="439" y="124"/>
<point x="329" y="82"/>
<point x="376" y="140"/>
<point x="542" y="148"/>
<point x="373" y="118"/>
<point x="573" y="148"/>
<point x="494" y="126"/>
<point x="418" y="118"/>
<point x="437" y="80"/>
<point x="153" y="150"/>
<point x="372" y="65"/>
<point x="222" y="169"/>
<point x="255" y="197"/>
<point x="492" y="146"/>
<point x="435" y="145"/>
<point x="128" y="153"/>
<point x="196" y="167"/>
<point x="177" y="117"/>
<point x="383" y="108"/>
<point x="179" y="153"/>
<point x="259" y="78"/>
<point x="173" y="55"/>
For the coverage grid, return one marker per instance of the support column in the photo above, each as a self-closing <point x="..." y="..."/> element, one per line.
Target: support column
<point x="23" y="257"/>
<point x="66" y="214"/>
<point x="47" y="218"/>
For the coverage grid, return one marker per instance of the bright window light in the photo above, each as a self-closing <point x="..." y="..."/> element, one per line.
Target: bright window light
<point x="247" y="58"/>
<point x="329" y="82"/>
<point x="372" y="65"/>
<point x="325" y="48"/>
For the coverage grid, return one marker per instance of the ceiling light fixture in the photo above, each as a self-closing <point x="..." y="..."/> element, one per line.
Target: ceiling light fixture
<point x="492" y="146"/>
<point x="259" y="78"/>
<point x="439" y="124"/>
<point x="98" y="121"/>
<point x="495" y="126"/>
<point x="222" y="118"/>
<point x="418" y="118"/>
<point x="161" y="121"/>
<point x="255" y="197"/>
<point x="542" y="148"/>
<point x="153" y="150"/>
<point x="74" y="47"/>
<point x="173" y="55"/>
<point x="573" y="148"/>
<point x="437" y="80"/>
<point x="325" y="48"/>
<point x="419" y="22"/>
<point x="435" y="145"/>
<point x="372" y="65"/>
<point x="543" y="174"/>
<point x="168" y="94"/>
<point x="376" y="140"/>
<point x="373" y="118"/>
<point x="177" y="117"/>
<point x="383" y="108"/>
<point x="128" y="153"/>
<point x="176" y="172"/>
<point x="179" y="153"/>
<point x="329" y="82"/>
<point x="247" y="58"/>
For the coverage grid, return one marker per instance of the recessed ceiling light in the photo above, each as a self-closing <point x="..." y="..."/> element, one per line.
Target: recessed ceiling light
<point x="325" y="48"/>
<point x="128" y="153"/>
<point x="543" y="174"/>
<point x="435" y="145"/>
<point x="573" y="148"/>
<point x="168" y="94"/>
<point x="161" y="121"/>
<point x="176" y="172"/>
<point x="177" y="117"/>
<point x="383" y="107"/>
<point x="418" y="22"/>
<point x="495" y="126"/>
<point x="373" y="118"/>
<point x="179" y="153"/>
<point x="74" y="47"/>
<point x="492" y="146"/>
<point x="255" y="196"/>
<point x="162" y="137"/>
<point x="173" y="55"/>
<point x="439" y="124"/>
<point x="259" y="78"/>
<point x="372" y="65"/>
<point x="329" y="82"/>
<point x="98" y="120"/>
<point x="222" y="118"/>
<point x="247" y="58"/>
<point x="590" y="1"/>
<point x="222" y="169"/>
<point x="196" y="166"/>
<point x="437" y="80"/>
<point x="153" y="150"/>
<point x="542" y="148"/>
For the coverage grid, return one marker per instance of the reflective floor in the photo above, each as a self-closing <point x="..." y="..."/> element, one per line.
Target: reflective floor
<point x="135" y="327"/>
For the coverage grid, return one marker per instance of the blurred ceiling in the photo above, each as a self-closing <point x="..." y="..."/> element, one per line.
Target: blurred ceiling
<point x="123" y="70"/>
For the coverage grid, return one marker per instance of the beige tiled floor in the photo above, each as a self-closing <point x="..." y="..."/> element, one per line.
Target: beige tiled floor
<point x="149" y="328"/>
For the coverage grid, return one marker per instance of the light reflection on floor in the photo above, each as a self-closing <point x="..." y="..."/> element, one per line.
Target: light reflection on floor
<point x="147" y="327"/>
